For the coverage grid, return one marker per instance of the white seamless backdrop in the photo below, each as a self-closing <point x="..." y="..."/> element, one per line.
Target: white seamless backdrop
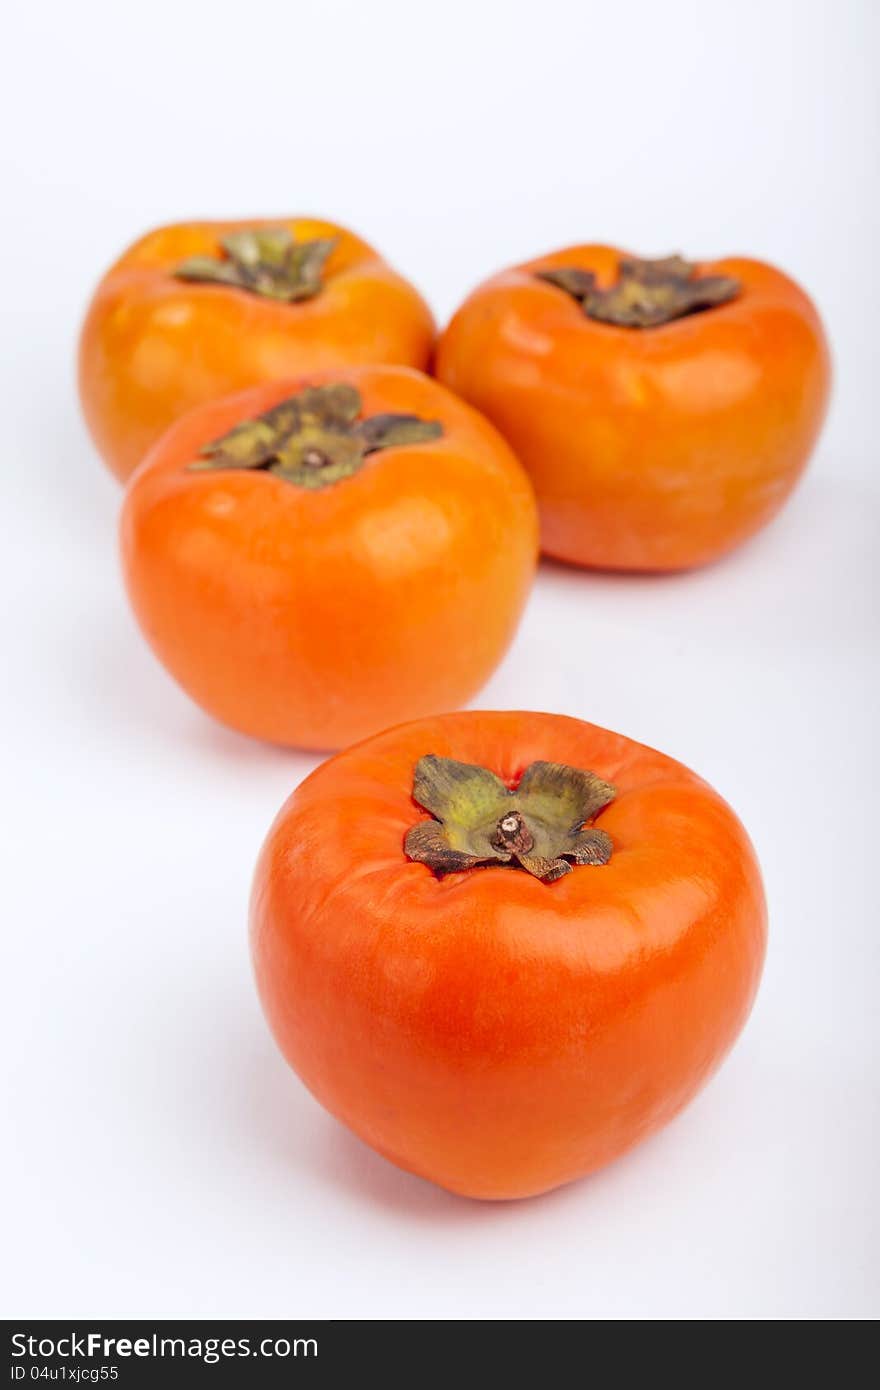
<point x="160" y="1158"/>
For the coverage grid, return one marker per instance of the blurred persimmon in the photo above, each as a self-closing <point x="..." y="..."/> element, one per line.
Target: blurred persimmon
<point x="315" y="560"/>
<point x="664" y="410"/>
<point x="201" y="309"/>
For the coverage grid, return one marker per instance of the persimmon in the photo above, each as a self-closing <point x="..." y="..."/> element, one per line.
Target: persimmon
<point x="664" y="410"/>
<point x="315" y="560"/>
<point x="198" y="310"/>
<point x="504" y="947"/>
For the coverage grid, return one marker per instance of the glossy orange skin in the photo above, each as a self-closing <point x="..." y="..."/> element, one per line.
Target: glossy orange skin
<point x="650" y="449"/>
<point x="153" y="347"/>
<point x="493" y="1033"/>
<point x="314" y="618"/>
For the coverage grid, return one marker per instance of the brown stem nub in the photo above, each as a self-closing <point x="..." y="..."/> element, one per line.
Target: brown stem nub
<point x="646" y="294"/>
<point x="541" y="825"/>
<point x="314" y="438"/>
<point x="512" y="835"/>
<point x="315" y="458"/>
<point x="263" y="260"/>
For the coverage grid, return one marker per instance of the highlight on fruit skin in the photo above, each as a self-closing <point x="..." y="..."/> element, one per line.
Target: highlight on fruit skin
<point x="664" y="409"/>
<point x="197" y="310"/>
<point x="315" y="560"/>
<point x="504" y="947"/>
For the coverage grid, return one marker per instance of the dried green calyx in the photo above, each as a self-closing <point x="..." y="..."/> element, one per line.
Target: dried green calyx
<point x="265" y="261"/>
<point x="315" y="438"/>
<point x="646" y="294"/>
<point x="540" y="825"/>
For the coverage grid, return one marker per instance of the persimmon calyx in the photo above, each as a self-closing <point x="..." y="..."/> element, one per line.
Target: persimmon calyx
<point x="540" y="825"/>
<point x="314" y="438"/>
<point x="646" y="293"/>
<point x="265" y="261"/>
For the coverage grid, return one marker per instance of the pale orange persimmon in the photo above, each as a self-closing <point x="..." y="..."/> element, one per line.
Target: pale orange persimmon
<point x="154" y="344"/>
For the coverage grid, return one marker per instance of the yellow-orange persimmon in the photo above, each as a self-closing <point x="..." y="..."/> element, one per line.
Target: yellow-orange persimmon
<point x="504" y="947"/>
<point x="315" y="560"/>
<point x="201" y="309"/>
<point x="664" y="410"/>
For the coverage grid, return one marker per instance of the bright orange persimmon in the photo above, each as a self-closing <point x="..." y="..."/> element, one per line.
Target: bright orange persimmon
<point x="201" y="309"/>
<point x="315" y="560"/>
<point x="504" y="947"/>
<point x="664" y="410"/>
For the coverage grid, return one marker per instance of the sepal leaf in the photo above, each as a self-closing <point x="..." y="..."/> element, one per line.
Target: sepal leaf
<point x="314" y="438"/>
<point x="646" y="294"/>
<point x="266" y="261"/>
<point x="539" y="825"/>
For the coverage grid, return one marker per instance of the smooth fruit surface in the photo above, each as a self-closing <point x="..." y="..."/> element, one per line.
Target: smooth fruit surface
<point x="316" y="616"/>
<point x="493" y="1032"/>
<point x="653" y="448"/>
<point x="153" y="346"/>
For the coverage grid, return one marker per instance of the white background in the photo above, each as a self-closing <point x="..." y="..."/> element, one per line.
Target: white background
<point x="161" y="1159"/>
